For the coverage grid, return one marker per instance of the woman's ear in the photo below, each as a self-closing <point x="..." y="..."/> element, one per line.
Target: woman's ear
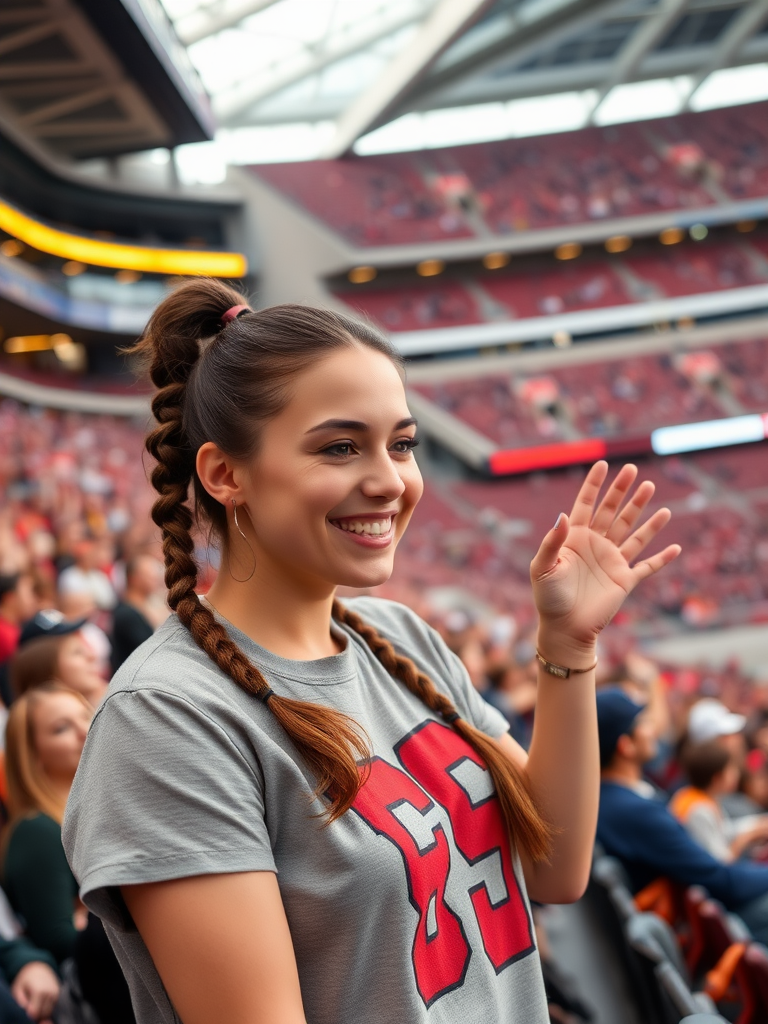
<point x="217" y="473"/>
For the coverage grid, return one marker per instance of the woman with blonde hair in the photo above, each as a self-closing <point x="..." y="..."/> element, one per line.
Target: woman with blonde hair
<point x="44" y="737"/>
<point x="45" y="733"/>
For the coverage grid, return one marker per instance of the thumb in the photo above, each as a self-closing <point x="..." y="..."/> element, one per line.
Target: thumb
<point x="546" y="557"/>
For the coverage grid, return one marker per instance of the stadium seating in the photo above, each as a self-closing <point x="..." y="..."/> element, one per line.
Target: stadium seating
<point x="611" y="398"/>
<point x="689" y="161"/>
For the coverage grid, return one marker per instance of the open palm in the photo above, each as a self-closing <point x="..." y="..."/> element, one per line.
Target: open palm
<point x="586" y="564"/>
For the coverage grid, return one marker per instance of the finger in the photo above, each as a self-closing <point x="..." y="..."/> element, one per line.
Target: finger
<point x="629" y="515"/>
<point x="609" y="507"/>
<point x="651" y="565"/>
<point x="547" y="556"/>
<point x="642" y="537"/>
<point x="581" y="513"/>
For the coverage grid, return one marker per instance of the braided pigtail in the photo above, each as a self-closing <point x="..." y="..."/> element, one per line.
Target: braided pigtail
<point x="329" y="742"/>
<point x="526" y="826"/>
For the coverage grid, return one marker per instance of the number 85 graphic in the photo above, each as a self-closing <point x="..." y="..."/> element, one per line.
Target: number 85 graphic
<point x="435" y="760"/>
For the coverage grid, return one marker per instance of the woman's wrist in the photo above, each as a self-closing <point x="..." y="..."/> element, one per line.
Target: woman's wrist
<point x="563" y="651"/>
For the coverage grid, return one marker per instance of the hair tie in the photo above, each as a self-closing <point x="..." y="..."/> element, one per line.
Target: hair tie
<point x="451" y="717"/>
<point x="266" y="694"/>
<point x="233" y="313"/>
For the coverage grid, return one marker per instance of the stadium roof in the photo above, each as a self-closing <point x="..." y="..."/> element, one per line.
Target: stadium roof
<point x="304" y="78"/>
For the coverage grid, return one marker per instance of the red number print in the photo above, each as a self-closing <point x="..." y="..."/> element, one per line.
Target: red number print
<point x="451" y="775"/>
<point x="439" y="759"/>
<point x="440" y="950"/>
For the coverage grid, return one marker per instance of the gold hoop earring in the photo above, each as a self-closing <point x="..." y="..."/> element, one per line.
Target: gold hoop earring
<point x="237" y="527"/>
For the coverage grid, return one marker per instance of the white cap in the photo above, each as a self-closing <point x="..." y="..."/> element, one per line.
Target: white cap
<point x="709" y="718"/>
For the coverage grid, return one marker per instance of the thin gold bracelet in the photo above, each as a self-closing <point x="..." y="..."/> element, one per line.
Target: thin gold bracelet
<point x="560" y="670"/>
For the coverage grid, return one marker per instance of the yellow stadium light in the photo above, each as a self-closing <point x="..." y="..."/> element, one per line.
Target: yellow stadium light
<point x="11" y="247"/>
<point x="359" y="275"/>
<point x="745" y="226"/>
<point x="35" y="342"/>
<point x="618" y="243"/>
<point x="496" y="260"/>
<point x="127" y="276"/>
<point x="671" y="236"/>
<point x="568" y="251"/>
<point x="119" y="255"/>
<point x="72" y="268"/>
<point x="430" y="268"/>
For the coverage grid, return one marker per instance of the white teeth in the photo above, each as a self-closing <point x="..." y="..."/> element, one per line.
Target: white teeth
<point x="371" y="529"/>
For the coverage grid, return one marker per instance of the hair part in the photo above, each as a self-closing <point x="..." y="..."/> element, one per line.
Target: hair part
<point x="221" y="384"/>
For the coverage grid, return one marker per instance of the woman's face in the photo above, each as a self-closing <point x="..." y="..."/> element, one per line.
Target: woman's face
<point x="59" y="726"/>
<point x="333" y="485"/>
<point x="78" y="666"/>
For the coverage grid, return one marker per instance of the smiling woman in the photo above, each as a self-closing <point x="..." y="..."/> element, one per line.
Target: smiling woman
<point x="292" y="809"/>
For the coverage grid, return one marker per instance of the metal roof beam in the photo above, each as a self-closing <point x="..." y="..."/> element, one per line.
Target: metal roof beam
<point x="232" y="105"/>
<point x="643" y="40"/>
<point x="742" y="28"/>
<point x="212" y="19"/>
<point x="446" y="22"/>
<point x="517" y="37"/>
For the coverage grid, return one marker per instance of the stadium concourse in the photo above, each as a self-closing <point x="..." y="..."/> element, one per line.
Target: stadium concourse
<point x="559" y="214"/>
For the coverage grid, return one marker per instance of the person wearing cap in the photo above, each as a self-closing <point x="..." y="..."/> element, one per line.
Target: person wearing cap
<point x="637" y="828"/>
<point x="709" y="719"/>
<point x="52" y="649"/>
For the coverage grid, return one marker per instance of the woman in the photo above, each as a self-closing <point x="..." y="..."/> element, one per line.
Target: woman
<point x="286" y="810"/>
<point x="45" y="734"/>
<point x="68" y="660"/>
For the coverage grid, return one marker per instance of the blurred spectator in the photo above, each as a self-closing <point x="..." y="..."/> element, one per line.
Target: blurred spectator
<point x="712" y="772"/>
<point x="635" y="826"/>
<point x="17" y="604"/>
<point x="87" y="576"/>
<point x="137" y="615"/>
<point x="45" y="735"/>
<point x="29" y="987"/>
<point x="62" y="656"/>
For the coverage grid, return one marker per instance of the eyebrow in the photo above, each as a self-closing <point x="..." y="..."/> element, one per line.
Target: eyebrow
<point x="358" y="425"/>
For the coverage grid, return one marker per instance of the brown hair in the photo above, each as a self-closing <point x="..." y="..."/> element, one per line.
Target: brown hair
<point x="701" y="762"/>
<point x="28" y="787"/>
<point x="35" y="663"/>
<point x="220" y="384"/>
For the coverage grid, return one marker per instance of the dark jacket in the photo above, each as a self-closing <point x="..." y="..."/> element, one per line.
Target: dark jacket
<point x="649" y="842"/>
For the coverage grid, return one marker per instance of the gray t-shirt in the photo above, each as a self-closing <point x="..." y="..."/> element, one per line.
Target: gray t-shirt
<point x="409" y="909"/>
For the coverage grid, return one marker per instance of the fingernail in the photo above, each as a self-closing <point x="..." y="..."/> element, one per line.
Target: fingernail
<point x="558" y="521"/>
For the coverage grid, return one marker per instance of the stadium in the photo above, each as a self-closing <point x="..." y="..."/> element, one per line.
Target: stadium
<point x="557" y="213"/>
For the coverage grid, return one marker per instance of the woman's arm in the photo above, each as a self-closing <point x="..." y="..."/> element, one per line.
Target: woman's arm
<point x="222" y="947"/>
<point x="581" y="575"/>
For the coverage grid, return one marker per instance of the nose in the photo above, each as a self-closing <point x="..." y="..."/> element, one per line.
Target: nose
<point x="382" y="479"/>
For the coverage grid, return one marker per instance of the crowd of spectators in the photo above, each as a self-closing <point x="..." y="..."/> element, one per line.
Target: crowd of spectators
<point x="684" y="162"/>
<point x="81" y="587"/>
<point x="534" y="287"/>
<point x="620" y="397"/>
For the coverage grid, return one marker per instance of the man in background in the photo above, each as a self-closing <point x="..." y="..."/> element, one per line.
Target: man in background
<point x="141" y="609"/>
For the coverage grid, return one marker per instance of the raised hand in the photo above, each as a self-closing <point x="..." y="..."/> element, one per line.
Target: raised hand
<point x="587" y="564"/>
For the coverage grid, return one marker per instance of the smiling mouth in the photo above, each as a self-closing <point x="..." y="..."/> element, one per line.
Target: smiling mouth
<point x="366" y="527"/>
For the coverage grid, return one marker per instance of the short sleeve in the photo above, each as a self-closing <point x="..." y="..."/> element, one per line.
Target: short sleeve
<point x="162" y="792"/>
<point x="477" y="710"/>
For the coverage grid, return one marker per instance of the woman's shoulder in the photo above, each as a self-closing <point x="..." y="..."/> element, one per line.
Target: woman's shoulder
<point x="168" y="656"/>
<point x="396" y="621"/>
<point x="36" y="825"/>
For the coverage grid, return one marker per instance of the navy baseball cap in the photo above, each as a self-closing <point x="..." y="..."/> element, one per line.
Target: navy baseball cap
<point x="49" y="623"/>
<point x="616" y="715"/>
